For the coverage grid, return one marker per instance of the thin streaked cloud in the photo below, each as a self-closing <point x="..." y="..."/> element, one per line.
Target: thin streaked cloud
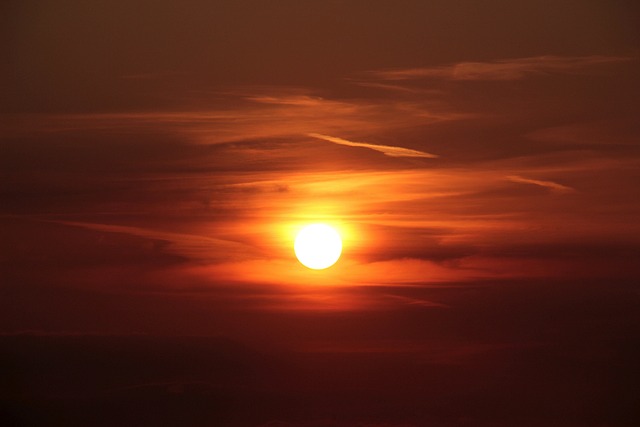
<point x="242" y="116"/>
<point x="553" y="186"/>
<point x="506" y="69"/>
<point x="195" y="247"/>
<point x="387" y="150"/>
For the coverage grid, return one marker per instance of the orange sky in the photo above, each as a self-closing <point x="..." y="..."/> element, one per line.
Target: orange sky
<point x="156" y="148"/>
<point x="480" y="159"/>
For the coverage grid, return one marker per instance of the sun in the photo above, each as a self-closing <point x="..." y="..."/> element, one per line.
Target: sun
<point x="318" y="246"/>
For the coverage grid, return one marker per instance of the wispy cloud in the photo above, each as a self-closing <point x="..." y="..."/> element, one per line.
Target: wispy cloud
<point x="388" y="150"/>
<point x="554" y="186"/>
<point x="401" y="89"/>
<point x="416" y="301"/>
<point x="152" y="76"/>
<point x="621" y="131"/>
<point x="507" y="69"/>
<point x="251" y="114"/>
<point x="191" y="246"/>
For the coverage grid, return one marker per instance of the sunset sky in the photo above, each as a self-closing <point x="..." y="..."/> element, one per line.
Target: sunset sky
<point x="481" y="160"/>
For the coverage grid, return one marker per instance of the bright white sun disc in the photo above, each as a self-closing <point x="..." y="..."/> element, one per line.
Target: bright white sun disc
<point x="318" y="246"/>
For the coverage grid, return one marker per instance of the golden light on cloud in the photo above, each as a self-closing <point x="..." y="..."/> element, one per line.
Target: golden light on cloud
<point x="318" y="246"/>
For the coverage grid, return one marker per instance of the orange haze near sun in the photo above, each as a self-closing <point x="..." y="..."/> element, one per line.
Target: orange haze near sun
<point x="437" y="162"/>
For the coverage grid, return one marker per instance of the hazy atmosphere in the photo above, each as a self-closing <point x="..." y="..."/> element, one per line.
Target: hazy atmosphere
<point x="479" y="159"/>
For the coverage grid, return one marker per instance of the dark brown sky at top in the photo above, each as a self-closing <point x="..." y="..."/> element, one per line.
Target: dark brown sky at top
<point x="82" y="57"/>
